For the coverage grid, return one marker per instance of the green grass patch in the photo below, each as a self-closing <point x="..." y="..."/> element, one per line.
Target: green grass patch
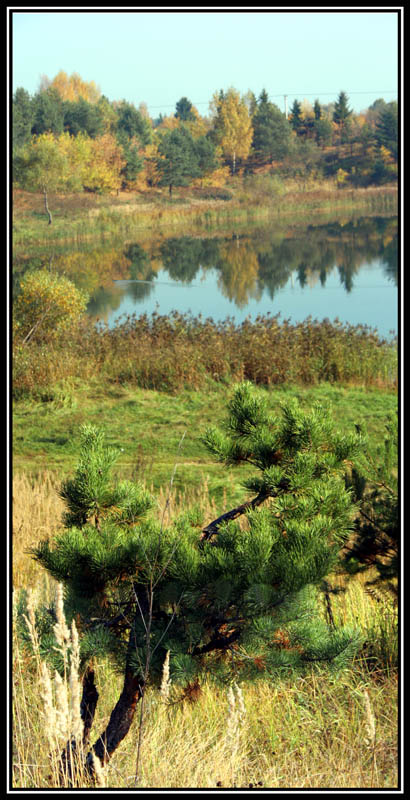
<point x="158" y="432"/>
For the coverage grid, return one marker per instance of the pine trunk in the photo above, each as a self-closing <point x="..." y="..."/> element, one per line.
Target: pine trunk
<point x="122" y="715"/>
<point x="120" y="721"/>
<point x="88" y="703"/>
<point x="118" y="726"/>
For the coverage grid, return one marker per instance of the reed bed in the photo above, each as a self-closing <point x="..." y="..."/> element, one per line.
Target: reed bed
<point x="179" y="351"/>
<point x="327" y="732"/>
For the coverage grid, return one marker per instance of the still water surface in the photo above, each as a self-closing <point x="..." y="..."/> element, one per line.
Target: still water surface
<point x="371" y="301"/>
<point x="345" y="271"/>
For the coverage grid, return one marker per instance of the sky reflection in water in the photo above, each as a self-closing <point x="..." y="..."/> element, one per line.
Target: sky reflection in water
<point x="348" y="272"/>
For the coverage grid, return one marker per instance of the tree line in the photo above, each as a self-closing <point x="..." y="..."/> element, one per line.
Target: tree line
<point x="70" y="137"/>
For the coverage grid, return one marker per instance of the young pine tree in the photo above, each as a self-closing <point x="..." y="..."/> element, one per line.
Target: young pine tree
<point x="229" y="603"/>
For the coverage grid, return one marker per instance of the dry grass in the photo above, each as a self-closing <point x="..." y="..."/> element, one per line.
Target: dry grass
<point x="308" y="733"/>
<point x="37" y="511"/>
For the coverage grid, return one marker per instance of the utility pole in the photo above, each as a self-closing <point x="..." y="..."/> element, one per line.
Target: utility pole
<point x="285" y="97"/>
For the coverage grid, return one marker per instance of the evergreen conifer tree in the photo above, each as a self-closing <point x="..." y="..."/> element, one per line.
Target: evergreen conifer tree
<point x="183" y="110"/>
<point x="22" y="116"/>
<point x="271" y="130"/>
<point x="178" y="161"/>
<point x="296" y="119"/>
<point x="317" y="110"/>
<point x="235" y="602"/>
<point x="342" y="114"/>
<point x="387" y="129"/>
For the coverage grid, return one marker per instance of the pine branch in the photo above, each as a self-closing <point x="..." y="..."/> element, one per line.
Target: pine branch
<point x="250" y="505"/>
<point x="219" y="642"/>
<point x="373" y="522"/>
<point x="214" y="526"/>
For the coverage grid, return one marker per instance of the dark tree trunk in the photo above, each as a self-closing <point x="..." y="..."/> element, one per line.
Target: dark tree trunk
<point x="118" y="726"/>
<point x="88" y="703"/>
<point x="120" y="721"/>
<point x="122" y="715"/>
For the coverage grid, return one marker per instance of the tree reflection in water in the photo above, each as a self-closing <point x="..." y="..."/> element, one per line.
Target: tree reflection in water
<point x="247" y="265"/>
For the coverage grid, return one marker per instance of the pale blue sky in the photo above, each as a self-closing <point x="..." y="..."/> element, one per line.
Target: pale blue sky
<point x="157" y="57"/>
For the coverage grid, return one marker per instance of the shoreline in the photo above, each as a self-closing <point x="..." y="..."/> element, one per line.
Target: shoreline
<point x="88" y="217"/>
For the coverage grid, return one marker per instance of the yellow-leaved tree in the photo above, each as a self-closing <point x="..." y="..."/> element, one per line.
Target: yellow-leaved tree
<point x="233" y="130"/>
<point x="103" y="171"/>
<point x="72" y="87"/>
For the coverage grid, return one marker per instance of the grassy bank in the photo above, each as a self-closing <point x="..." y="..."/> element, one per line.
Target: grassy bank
<point x="82" y="217"/>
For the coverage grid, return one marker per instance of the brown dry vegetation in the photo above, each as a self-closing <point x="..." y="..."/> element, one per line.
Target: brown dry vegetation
<point x="170" y="353"/>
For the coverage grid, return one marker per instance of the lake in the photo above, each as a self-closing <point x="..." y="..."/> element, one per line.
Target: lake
<point x="346" y="270"/>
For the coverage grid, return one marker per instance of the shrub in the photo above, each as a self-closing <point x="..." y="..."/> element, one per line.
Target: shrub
<point x="46" y="305"/>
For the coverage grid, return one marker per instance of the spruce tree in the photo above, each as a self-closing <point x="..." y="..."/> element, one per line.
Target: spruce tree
<point x="296" y="119"/>
<point x="229" y="602"/>
<point x="387" y="129"/>
<point x="317" y="109"/>
<point x="178" y="161"/>
<point x="22" y="118"/>
<point x="183" y="110"/>
<point x="271" y="130"/>
<point x="342" y="114"/>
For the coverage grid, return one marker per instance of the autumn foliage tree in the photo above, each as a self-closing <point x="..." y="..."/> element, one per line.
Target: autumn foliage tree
<point x="41" y="166"/>
<point x="103" y="172"/>
<point x="233" y="130"/>
<point x="67" y="163"/>
<point x="244" y="131"/>
<point x="72" y="87"/>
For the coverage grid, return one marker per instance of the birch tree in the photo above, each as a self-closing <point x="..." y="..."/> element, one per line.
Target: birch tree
<point x="41" y="167"/>
<point x="232" y="127"/>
